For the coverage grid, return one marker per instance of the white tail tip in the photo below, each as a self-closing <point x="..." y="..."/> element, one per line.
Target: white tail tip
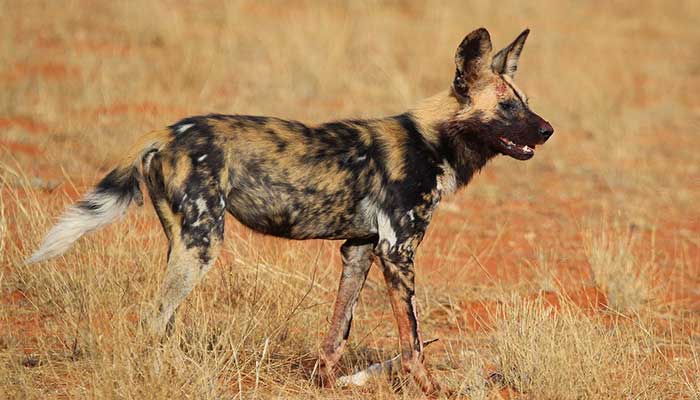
<point x="97" y="209"/>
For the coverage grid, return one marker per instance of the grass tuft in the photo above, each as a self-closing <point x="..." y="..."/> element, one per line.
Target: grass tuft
<point x="617" y="271"/>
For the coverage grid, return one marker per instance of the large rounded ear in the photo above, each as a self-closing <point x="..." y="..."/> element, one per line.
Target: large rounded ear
<point x="505" y="62"/>
<point x="471" y="60"/>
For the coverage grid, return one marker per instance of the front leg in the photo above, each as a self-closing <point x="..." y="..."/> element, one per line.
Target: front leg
<point x="397" y="265"/>
<point x="399" y="277"/>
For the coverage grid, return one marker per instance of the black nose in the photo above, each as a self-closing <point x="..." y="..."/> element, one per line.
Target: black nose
<point x="546" y="130"/>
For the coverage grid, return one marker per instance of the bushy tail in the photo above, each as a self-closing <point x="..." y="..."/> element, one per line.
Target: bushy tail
<point x="105" y="203"/>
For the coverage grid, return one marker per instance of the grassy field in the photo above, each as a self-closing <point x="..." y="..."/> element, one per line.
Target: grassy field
<point x="571" y="276"/>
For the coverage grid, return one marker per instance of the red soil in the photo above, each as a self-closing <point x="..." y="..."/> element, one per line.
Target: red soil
<point x="146" y="108"/>
<point x="26" y="124"/>
<point x="17" y="147"/>
<point x="48" y="70"/>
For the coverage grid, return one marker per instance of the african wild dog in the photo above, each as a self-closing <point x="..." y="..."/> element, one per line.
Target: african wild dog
<point x="373" y="183"/>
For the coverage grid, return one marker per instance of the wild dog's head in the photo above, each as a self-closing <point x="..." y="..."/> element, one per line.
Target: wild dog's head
<point x="493" y="111"/>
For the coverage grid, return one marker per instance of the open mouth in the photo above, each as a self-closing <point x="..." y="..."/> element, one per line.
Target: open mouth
<point x="517" y="151"/>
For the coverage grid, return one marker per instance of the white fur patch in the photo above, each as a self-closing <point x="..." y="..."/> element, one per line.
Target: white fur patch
<point x="202" y="158"/>
<point x="447" y="181"/>
<point x="385" y="229"/>
<point x="201" y="205"/>
<point x="147" y="160"/>
<point x="369" y="212"/>
<point x="183" y="128"/>
<point x="77" y="221"/>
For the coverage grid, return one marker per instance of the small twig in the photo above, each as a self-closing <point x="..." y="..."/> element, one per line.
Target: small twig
<point x="360" y="378"/>
<point x="258" y="364"/>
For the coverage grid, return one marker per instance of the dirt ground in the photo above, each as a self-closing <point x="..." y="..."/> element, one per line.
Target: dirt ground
<point x="574" y="275"/>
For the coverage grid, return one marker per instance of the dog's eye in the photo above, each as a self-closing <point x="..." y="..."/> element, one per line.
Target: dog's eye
<point x="507" y="105"/>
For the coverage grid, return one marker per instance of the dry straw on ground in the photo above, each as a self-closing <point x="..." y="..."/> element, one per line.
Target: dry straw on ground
<point x="562" y="353"/>
<point x="625" y="279"/>
<point x="504" y="278"/>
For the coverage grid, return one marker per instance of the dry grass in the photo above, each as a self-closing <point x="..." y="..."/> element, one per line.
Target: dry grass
<point x="504" y="273"/>
<point x="626" y="281"/>
<point x="549" y="353"/>
<point x="553" y="354"/>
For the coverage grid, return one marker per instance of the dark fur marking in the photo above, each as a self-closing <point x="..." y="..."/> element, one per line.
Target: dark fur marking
<point x="507" y="107"/>
<point x="462" y="147"/>
<point x="124" y="185"/>
<point x="280" y="142"/>
<point x="156" y="190"/>
<point x="515" y="92"/>
<point x="422" y="160"/>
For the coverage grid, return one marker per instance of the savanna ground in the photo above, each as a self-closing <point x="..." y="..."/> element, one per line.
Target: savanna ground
<point x="573" y="275"/>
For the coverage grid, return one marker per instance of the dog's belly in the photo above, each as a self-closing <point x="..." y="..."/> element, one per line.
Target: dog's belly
<point x="302" y="213"/>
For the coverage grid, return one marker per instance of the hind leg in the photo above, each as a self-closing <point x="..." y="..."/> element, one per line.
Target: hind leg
<point x="186" y="267"/>
<point x="193" y="221"/>
<point x="357" y="259"/>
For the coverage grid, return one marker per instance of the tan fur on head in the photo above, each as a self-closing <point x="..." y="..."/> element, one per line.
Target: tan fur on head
<point x="515" y="87"/>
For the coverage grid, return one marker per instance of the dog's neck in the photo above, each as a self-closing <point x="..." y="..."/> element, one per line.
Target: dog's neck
<point x="454" y="139"/>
